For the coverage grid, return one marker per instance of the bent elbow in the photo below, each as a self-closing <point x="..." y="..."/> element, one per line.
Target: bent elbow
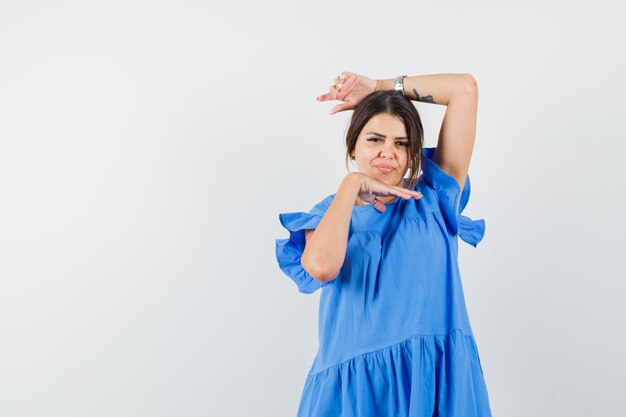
<point x="471" y="84"/>
<point x="327" y="276"/>
<point x="318" y="273"/>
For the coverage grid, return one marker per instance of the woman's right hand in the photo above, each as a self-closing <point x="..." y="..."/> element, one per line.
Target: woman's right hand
<point x="351" y="88"/>
<point x="380" y="189"/>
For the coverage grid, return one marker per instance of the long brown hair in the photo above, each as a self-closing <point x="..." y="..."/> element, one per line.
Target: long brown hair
<point x="394" y="103"/>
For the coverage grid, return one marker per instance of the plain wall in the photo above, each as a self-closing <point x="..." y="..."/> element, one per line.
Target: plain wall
<point x="146" y="149"/>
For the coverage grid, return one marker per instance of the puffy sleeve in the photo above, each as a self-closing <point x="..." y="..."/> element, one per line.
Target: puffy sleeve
<point x="448" y="189"/>
<point x="289" y="251"/>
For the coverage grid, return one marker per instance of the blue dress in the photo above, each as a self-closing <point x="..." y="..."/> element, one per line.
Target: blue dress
<point x="394" y="333"/>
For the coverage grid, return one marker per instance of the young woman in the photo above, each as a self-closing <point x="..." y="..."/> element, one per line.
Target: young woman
<point x="394" y="333"/>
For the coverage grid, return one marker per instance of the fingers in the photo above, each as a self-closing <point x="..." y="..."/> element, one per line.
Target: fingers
<point x="331" y="95"/>
<point x="341" y="78"/>
<point x="347" y="77"/>
<point x="341" y="107"/>
<point x="405" y="193"/>
<point x="378" y="205"/>
<point x="345" y="87"/>
<point x="412" y="194"/>
<point x="342" y="87"/>
<point x="333" y="89"/>
<point x="324" y="97"/>
<point x="408" y="193"/>
<point x="335" y="86"/>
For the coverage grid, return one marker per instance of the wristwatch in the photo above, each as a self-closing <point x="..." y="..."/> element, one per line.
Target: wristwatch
<point x="398" y="83"/>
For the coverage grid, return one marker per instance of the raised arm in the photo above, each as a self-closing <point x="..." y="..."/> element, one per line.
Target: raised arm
<point x="459" y="92"/>
<point x="326" y="246"/>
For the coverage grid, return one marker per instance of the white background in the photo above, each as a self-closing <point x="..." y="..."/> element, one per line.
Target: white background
<point x="147" y="147"/>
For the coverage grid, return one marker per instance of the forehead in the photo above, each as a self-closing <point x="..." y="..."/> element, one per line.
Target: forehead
<point x="386" y="124"/>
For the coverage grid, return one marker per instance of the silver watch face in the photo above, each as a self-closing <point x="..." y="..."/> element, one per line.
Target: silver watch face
<point x="398" y="83"/>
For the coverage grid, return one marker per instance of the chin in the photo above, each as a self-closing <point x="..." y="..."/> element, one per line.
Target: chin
<point x="389" y="181"/>
<point x="385" y="179"/>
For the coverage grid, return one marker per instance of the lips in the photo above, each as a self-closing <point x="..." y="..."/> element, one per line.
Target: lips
<point x="384" y="168"/>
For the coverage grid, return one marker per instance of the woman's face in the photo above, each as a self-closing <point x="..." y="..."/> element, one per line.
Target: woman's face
<point x="383" y="142"/>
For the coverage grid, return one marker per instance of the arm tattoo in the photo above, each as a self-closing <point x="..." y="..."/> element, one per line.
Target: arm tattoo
<point x="427" y="99"/>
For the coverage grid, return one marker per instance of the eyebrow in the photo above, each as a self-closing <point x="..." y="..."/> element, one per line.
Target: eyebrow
<point x="383" y="136"/>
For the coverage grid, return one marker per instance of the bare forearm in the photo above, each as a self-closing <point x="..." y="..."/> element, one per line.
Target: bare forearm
<point x="432" y="88"/>
<point x="325" y="249"/>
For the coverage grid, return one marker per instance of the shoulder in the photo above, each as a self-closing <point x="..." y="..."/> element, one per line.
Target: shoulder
<point x="321" y="207"/>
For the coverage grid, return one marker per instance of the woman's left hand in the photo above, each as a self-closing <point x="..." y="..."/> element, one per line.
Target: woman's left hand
<point x="350" y="88"/>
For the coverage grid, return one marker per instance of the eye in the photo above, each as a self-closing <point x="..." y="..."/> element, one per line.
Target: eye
<point x="401" y="143"/>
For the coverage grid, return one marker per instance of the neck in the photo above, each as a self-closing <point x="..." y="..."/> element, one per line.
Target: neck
<point x="387" y="200"/>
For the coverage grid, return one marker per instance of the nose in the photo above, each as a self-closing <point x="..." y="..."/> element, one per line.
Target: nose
<point x="387" y="150"/>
